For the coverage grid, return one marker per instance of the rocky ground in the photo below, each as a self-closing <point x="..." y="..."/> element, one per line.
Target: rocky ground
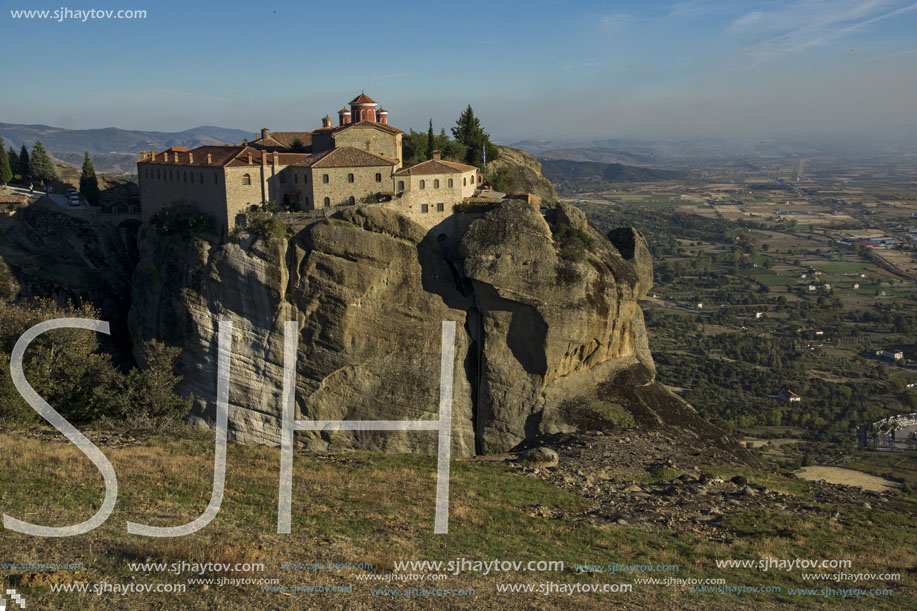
<point x="659" y="480"/>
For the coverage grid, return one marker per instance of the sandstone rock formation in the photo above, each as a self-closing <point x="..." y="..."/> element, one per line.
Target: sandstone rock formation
<point x="368" y="289"/>
<point x="525" y="171"/>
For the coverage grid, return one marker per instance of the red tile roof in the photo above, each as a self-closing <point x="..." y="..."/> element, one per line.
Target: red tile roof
<point x="347" y="157"/>
<point x="225" y="156"/>
<point x="362" y="99"/>
<point x="435" y="166"/>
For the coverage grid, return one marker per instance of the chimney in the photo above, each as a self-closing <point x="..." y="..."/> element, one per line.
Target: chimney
<point x="368" y="142"/>
<point x="209" y="158"/>
<point x="152" y="155"/>
<point x="249" y="158"/>
<point x="275" y="159"/>
<point x="244" y="141"/>
<point x="190" y="157"/>
<point x="264" y="133"/>
<point x="327" y="121"/>
<point x="165" y="156"/>
<point x="437" y="155"/>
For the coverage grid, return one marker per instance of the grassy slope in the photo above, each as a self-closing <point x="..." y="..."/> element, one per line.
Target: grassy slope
<point x="379" y="509"/>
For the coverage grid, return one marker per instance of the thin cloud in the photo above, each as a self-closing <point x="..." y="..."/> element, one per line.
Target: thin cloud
<point x="810" y="24"/>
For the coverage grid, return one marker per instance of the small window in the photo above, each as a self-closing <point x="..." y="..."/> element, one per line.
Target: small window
<point x="465" y="181"/>
<point x="325" y="178"/>
<point x="202" y="178"/>
<point x="170" y="174"/>
<point x="327" y="200"/>
<point x="283" y="178"/>
<point x="378" y="177"/>
<point x="246" y="179"/>
<point x="440" y="207"/>
<point x="424" y="208"/>
<point x="401" y="185"/>
<point x="305" y="178"/>
<point x="451" y="184"/>
<point x="307" y="201"/>
<point x="216" y="179"/>
<point x="436" y="184"/>
<point x="350" y="178"/>
<point x="423" y="184"/>
<point x="295" y="178"/>
<point x="351" y="201"/>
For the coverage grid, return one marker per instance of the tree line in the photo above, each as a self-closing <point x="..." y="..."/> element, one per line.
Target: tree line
<point x="37" y="167"/>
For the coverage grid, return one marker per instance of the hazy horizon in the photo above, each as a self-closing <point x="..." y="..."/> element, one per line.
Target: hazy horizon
<point x="584" y="71"/>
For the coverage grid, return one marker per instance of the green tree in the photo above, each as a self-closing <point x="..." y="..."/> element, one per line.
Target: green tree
<point x="89" y="184"/>
<point x="431" y="141"/>
<point x="471" y="135"/>
<point x="14" y="160"/>
<point x="6" y="173"/>
<point x="25" y="170"/>
<point x="41" y="167"/>
<point x="297" y="146"/>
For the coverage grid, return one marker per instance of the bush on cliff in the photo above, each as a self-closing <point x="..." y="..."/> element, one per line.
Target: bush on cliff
<point x="183" y="219"/>
<point x="67" y="368"/>
<point x="573" y="242"/>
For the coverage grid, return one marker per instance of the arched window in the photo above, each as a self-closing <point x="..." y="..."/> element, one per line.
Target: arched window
<point x="327" y="201"/>
<point x="350" y="178"/>
<point x="325" y="178"/>
<point x="436" y="184"/>
<point x="451" y="184"/>
<point x="423" y="184"/>
<point x="401" y="185"/>
<point x="246" y="179"/>
<point x="351" y="201"/>
<point x="378" y="177"/>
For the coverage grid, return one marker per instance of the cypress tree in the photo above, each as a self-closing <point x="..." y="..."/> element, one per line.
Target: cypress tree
<point x="6" y="174"/>
<point x="89" y="183"/>
<point x="431" y="141"/>
<point x="42" y="168"/>
<point x="469" y="132"/>
<point x="25" y="168"/>
<point x="14" y="160"/>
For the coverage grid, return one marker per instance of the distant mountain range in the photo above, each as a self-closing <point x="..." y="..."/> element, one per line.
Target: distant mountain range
<point x="563" y="172"/>
<point x="113" y="149"/>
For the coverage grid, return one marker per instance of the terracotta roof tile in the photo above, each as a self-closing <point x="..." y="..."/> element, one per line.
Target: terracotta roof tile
<point x="362" y="99"/>
<point x="347" y="157"/>
<point x="434" y="166"/>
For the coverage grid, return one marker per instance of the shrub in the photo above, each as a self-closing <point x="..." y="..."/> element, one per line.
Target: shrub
<point x="612" y="412"/>
<point x="573" y="242"/>
<point x="265" y="225"/>
<point x="68" y="370"/>
<point x="183" y="219"/>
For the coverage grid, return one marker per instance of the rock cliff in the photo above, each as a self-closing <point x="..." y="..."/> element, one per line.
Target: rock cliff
<point x="538" y="332"/>
<point x="522" y="174"/>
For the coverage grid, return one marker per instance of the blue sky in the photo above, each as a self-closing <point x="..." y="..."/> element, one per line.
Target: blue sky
<point x="536" y="69"/>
